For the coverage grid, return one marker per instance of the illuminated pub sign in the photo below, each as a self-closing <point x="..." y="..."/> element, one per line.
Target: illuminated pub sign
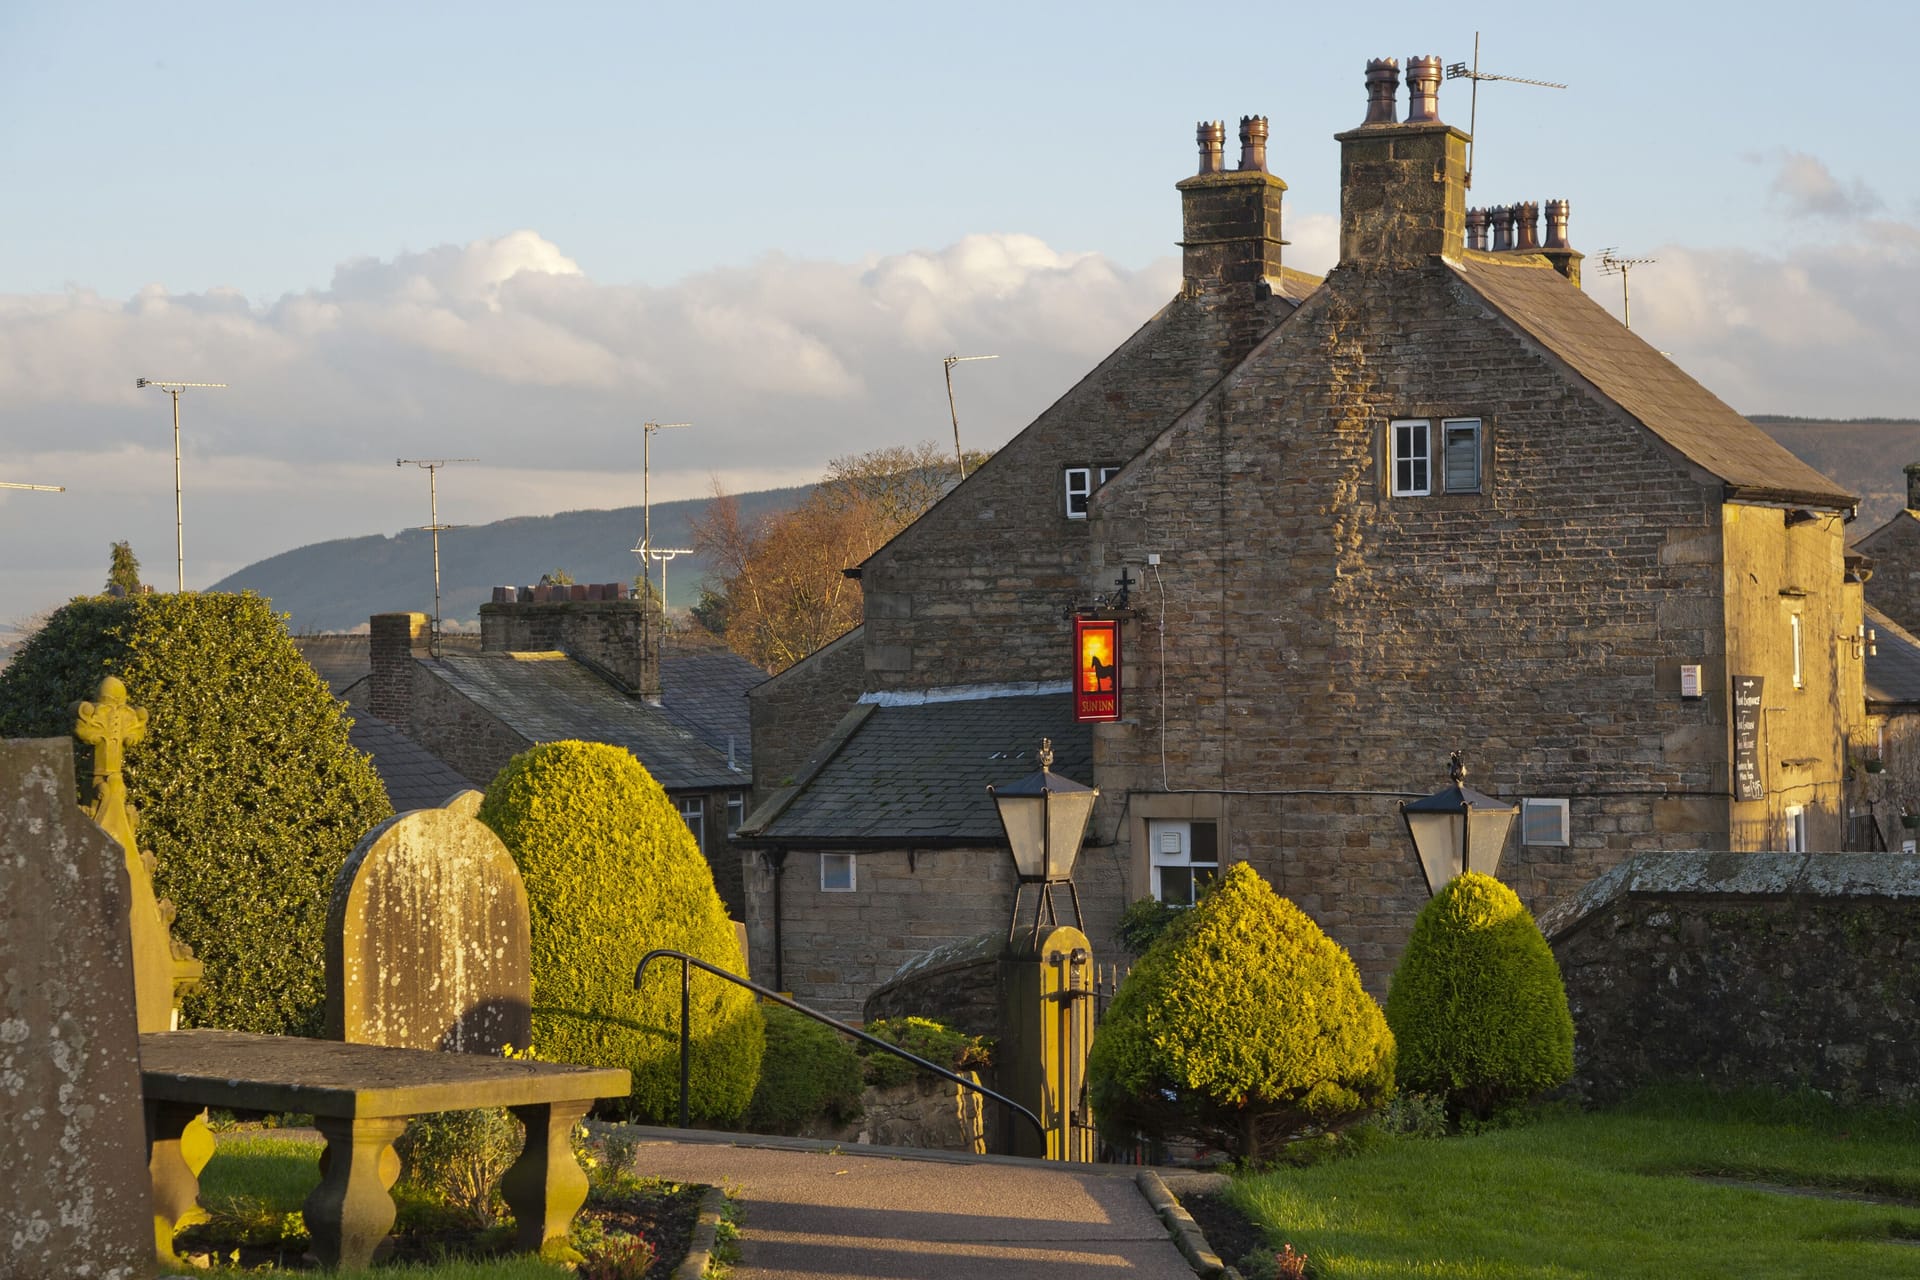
<point x="1096" y="681"/>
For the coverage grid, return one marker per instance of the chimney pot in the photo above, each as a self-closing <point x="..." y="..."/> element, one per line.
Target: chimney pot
<point x="1500" y="216"/>
<point x="502" y="594"/>
<point x="1913" y="486"/>
<point x="1476" y="229"/>
<point x="1213" y="139"/>
<point x="1557" y="211"/>
<point x="1383" y="87"/>
<point x="1253" y="143"/>
<point x="1423" y="90"/>
<point x="1529" y="240"/>
<point x="576" y="591"/>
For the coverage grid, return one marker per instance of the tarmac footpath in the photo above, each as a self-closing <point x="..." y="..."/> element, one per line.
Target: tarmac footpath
<point x="814" y="1211"/>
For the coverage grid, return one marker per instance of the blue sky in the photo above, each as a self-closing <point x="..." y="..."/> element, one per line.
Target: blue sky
<point x="517" y="231"/>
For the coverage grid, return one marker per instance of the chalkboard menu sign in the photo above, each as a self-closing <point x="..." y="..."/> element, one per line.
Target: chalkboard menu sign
<point x="1747" y="782"/>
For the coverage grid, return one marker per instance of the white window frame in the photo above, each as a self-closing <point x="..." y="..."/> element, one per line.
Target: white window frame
<point x="1799" y="653"/>
<point x="736" y="810"/>
<point x="1796" y="816"/>
<point x="1403" y="434"/>
<point x="1103" y="474"/>
<point x="1079" y="482"/>
<point x="830" y="880"/>
<point x="1170" y="846"/>
<point x="1447" y="427"/>
<point x="1558" y="812"/>
<point x="693" y="812"/>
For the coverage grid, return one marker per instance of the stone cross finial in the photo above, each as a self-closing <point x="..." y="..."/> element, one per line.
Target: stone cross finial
<point x="110" y="726"/>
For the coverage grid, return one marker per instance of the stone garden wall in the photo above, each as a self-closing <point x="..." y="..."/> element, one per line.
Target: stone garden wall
<point x="1770" y="969"/>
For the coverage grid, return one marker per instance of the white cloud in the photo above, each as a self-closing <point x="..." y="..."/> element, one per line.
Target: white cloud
<point x="1806" y="188"/>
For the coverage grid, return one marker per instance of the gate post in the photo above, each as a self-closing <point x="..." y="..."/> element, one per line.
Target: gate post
<point x="1046" y="1026"/>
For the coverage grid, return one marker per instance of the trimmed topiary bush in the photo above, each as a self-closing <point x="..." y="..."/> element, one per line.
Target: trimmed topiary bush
<point x="1477" y="1004"/>
<point x="248" y="792"/>
<point x="611" y="873"/>
<point x="810" y="1076"/>
<point x="1242" y="1024"/>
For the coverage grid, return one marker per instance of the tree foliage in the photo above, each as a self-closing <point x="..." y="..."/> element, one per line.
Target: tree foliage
<point x="775" y="589"/>
<point x="123" y="570"/>
<point x="1243" y="1023"/>
<point x="611" y="873"/>
<point x="1477" y="1005"/>
<point x="248" y="791"/>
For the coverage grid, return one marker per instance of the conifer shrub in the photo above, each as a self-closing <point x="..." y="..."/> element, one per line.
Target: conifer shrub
<point x="611" y="873"/>
<point x="1477" y="1004"/>
<point x="809" y="1077"/>
<point x="248" y="792"/>
<point x="1242" y="1024"/>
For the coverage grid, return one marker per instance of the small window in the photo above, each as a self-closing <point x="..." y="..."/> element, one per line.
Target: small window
<point x="736" y="810"/>
<point x="1104" y="474"/>
<point x="1079" y="486"/>
<point x="836" y="873"/>
<point x="693" y="810"/>
<point x="1411" y="459"/>
<point x="1799" y="670"/>
<point x="1543" y="822"/>
<point x="1185" y="857"/>
<point x="1796" y="816"/>
<point x="1460" y="455"/>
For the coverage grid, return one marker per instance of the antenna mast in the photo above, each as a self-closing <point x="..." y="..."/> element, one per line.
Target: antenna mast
<point x="949" y="362"/>
<point x="38" y="488"/>
<point x="432" y="466"/>
<point x="645" y="549"/>
<point x="1612" y="264"/>
<point x="1461" y="71"/>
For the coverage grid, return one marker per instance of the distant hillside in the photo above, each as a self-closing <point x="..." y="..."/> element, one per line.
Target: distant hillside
<point x="1863" y="457"/>
<point x="338" y="585"/>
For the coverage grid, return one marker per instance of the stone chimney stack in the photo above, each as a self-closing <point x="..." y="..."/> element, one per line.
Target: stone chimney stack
<point x="1913" y="486"/>
<point x="1231" y="242"/>
<point x="596" y="624"/>
<point x="1403" y="187"/>
<point x="394" y="640"/>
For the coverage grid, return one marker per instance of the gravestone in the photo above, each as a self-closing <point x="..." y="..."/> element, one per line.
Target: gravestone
<point x="74" y="1198"/>
<point x="428" y="937"/>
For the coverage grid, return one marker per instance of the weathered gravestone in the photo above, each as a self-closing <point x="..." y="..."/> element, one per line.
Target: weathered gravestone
<point x="73" y="1175"/>
<point x="428" y="937"/>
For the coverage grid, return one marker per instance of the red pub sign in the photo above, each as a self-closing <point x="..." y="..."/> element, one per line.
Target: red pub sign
<point x="1096" y="677"/>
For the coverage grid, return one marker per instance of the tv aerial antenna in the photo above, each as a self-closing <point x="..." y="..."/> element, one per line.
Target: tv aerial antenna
<point x="37" y="488"/>
<point x="949" y="362"/>
<point x="432" y="467"/>
<point x="1461" y="71"/>
<point x="1612" y="264"/>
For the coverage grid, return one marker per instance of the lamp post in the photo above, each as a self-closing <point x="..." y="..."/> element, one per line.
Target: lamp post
<point x="1045" y="817"/>
<point x="1457" y="829"/>
<point x="179" y="536"/>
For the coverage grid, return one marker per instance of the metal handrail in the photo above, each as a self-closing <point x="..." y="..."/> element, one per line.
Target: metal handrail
<point x="766" y="994"/>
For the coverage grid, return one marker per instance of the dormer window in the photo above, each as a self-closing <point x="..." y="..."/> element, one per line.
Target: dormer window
<point x="1413" y="469"/>
<point x="1080" y="484"/>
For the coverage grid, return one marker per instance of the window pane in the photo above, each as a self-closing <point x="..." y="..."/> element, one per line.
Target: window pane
<point x="1411" y="460"/>
<point x="836" y="872"/>
<point x="1176" y="885"/>
<point x="1462" y="458"/>
<point x="1206" y="842"/>
<point x="1203" y="876"/>
<point x="736" y="811"/>
<point x="1079" y="485"/>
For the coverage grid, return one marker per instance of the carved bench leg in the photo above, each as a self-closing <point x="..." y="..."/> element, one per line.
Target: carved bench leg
<point x="546" y="1186"/>
<point x="349" y="1213"/>
<point x="176" y="1181"/>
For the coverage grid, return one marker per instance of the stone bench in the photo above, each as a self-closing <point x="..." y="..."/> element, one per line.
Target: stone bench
<point x="361" y="1097"/>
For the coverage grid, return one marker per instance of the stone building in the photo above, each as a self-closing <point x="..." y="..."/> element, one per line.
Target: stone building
<point x="574" y="664"/>
<point x="1440" y="500"/>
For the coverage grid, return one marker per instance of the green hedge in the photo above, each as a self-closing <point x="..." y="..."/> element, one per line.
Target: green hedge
<point x="611" y="873"/>
<point x="810" y="1076"/>
<point x="248" y="792"/>
<point x="1477" y="1004"/>
<point x="1243" y="1023"/>
<point x="923" y="1038"/>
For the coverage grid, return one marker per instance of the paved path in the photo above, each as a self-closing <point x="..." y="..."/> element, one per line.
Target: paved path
<point x="814" y="1212"/>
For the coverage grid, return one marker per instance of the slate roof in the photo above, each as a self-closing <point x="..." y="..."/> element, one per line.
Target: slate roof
<point x="415" y="777"/>
<point x="1893" y="670"/>
<point x="918" y="774"/>
<point x="1650" y="387"/>
<point x="705" y="693"/>
<point x="341" y="660"/>
<point x="548" y="697"/>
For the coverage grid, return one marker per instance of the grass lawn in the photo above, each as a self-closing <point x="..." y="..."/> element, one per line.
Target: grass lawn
<point x="1615" y="1193"/>
<point x="254" y="1183"/>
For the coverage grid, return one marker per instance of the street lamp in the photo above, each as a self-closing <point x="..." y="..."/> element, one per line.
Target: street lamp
<point x="1045" y="817"/>
<point x="1457" y="829"/>
<point x="179" y="537"/>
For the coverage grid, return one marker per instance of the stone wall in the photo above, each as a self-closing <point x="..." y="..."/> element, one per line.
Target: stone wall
<point x="612" y="634"/>
<point x="1894" y="588"/>
<point x="473" y="741"/>
<point x="815" y="692"/>
<point x="1777" y="970"/>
